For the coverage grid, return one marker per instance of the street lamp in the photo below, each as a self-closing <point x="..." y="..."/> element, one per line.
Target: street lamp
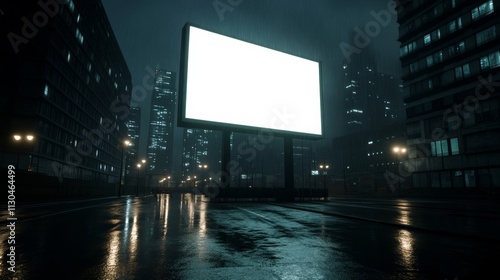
<point x="18" y="138"/>
<point x="203" y="172"/>
<point x="126" y="144"/>
<point x="138" y="170"/>
<point x="144" y="177"/>
<point x="399" y="152"/>
<point x="324" y="167"/>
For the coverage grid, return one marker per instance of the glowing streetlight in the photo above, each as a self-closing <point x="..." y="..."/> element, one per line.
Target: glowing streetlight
<point x="21" y="140"/>
<point x="126" y="144"/>
<point x="325" y="167"/>
<point x="399" y="151"/>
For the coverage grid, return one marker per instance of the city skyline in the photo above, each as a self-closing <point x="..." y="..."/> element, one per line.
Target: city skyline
<point x="293" y="32"/>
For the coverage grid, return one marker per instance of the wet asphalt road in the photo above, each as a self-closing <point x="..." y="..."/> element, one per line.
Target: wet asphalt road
<point x="184" y="237"/>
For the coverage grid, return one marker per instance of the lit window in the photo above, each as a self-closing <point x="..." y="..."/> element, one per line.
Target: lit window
<point x="466" y="70"/>
<point x="78" y="18"/>
<point x="71" y="6"/>
<point x="461" y="47"/>
<point x="429" y="60"/>
<point x="79" y="36"/>
<point x="427" y="39"/>
<point x="46" y="90"/>
<point x="69" y="57"/>
<point x="490" y="61"/>
<point x="482" y="10"/>
<point x="454" y="146"/>
<point x="438" y="57"/>
<point x="436" y="35"/>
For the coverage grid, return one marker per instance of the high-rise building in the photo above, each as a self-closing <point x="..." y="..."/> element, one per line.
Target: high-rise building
<point x="359" y="81"/>
<point x="372" y="99"/>
<point x="65" y="84"/>
<point x="134" y="133"/>
<point x="161" y="125"/>
<point x="201" y="153"/>
<point x="390" y="93"/>
<point x="450" y="57"/>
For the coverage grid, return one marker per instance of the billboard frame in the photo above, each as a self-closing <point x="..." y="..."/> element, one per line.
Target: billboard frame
<point x="182" y="121"/>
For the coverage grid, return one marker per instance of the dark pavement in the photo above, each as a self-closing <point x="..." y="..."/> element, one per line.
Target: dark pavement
<point x="184" y="237"/>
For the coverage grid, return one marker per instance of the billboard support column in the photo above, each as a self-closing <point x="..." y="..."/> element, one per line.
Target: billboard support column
<point x="226" y="158"/>
<point x="289" y="182"/>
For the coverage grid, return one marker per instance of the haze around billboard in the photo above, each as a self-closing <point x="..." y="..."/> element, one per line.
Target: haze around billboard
<point x="236" y="83"/>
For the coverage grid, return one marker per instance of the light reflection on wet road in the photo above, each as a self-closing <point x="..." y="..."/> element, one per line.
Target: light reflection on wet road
<point x="184" y="237"/>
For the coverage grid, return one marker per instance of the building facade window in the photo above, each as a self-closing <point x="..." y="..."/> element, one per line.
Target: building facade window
<point x="486" y="35"/>
<point x="455" y="25"/>
<point x="427" y="39"/>
<point x="455" y="150"/>
<point x="456" y="49"/>
<point x="490" y="61"/>
<point x="414" y="67"/>
<point x="79" y="36"/>
<point x="462" y="71"/>
<point x="407" y="49"/>
<point x="483" y="10"/>
<point x="439" y="148"/>
<point x="429" y="61"/>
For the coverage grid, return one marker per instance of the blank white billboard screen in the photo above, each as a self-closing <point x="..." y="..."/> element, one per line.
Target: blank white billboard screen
<point x="230" y="81"/>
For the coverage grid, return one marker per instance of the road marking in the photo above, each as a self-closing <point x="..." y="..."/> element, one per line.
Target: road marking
<point x="256" y="214"/>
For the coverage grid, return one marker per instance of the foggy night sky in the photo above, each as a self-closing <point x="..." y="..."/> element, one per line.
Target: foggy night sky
<point x="149" y="34"/>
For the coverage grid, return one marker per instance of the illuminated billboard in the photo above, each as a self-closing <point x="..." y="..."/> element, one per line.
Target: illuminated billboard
<point x="227" y="82"/>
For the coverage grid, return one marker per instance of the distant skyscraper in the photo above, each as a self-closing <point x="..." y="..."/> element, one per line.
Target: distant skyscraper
<point x="201" y="152"/>
<point x="372" y="99"/>
<point x="134" y="132"/>
<point x="65" y="82"/>
<point x="161" y="124"/>
<point x="450" y="57"/>
<point x="390" y="93"/>
<point x="373" y="122"/>
<point x="360" y="95"/>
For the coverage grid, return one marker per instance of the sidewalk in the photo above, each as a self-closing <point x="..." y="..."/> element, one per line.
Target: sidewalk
<point x="469" y="218"/>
